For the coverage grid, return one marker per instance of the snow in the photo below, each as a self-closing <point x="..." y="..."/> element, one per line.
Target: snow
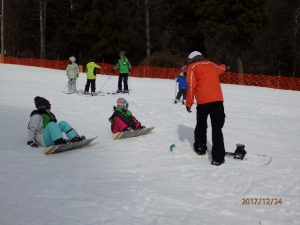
<point x="139" y="181"/>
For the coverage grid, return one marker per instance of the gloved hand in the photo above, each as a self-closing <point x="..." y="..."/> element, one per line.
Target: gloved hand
<point x="188" y="109"/>
<point x="32" y="144"/>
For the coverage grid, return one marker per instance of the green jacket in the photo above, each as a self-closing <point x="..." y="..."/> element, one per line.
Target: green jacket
<point x="123" y="65"/>
<point x="118" y="111"/>
<point x="91" y="70"/>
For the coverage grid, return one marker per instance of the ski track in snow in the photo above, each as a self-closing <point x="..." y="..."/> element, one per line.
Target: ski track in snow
<point x="139" y="180"/>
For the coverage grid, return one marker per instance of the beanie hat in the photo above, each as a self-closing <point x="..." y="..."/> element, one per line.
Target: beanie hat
<point x="72" y="59"/>
<point x="194" y="54"/>
<point x="41" y="103"/>
<point x="122" y="103"/>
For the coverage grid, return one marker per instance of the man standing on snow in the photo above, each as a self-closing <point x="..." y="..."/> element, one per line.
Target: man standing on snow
<point x="203" y="84"/>
<point x="124" y="66"/>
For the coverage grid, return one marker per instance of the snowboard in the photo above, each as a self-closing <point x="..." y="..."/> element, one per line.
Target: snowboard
<point x="251" y="159"/>
<point x="132" y="133"/>
<point x="67" y="147"/>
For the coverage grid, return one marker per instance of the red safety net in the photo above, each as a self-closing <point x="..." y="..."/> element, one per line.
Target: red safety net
<point x="279" y="82"/>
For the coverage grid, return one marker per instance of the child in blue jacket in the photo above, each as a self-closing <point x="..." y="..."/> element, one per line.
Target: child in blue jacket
<point x="182" y="85"/>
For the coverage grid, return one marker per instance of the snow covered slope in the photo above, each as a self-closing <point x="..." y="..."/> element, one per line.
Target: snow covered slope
<point x="139" y="181"/>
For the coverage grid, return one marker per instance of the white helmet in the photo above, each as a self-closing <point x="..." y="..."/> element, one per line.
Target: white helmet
<point x="194" y="54"/>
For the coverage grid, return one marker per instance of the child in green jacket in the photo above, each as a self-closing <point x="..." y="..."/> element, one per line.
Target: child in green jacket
<point x="124" y="67"/>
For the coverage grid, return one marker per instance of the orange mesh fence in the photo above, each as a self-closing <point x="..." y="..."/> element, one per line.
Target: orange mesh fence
<point x="53" y="64"/>
<point x="279" y="82"/>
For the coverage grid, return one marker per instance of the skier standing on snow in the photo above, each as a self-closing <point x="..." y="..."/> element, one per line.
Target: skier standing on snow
<point x="72" y="71"/>
<point x="91" y="72"/>
<point x="124" y="67"/>
<point x="182" y="86"/>
<point x="203" y="84"/>
<point x="122" y="119"/>
<point x="43" y="129"/>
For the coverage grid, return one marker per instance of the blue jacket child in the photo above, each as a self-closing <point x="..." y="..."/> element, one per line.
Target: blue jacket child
<point x="182" y="85"/>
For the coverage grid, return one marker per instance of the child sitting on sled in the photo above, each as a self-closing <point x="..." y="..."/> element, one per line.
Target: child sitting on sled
<point x="43" y="128"/>
<point x="122" y="119"/>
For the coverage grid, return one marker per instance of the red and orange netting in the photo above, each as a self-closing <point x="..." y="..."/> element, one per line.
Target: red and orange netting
<point x="278" y="82"/>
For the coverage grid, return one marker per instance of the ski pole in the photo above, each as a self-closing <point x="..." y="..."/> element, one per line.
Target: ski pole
<point x="104" y="84"/>
<point x="128" y="84"/>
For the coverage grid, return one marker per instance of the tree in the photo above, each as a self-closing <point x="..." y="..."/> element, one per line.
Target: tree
<point x="43" y="16"/>
<point x="230" y="27"/>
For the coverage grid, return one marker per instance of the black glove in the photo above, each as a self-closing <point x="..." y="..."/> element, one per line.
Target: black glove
<point x="188" y="109"/>
<point x="32" y="144"/>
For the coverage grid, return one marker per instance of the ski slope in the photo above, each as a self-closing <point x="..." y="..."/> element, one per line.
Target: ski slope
<point x="139" y="181"/>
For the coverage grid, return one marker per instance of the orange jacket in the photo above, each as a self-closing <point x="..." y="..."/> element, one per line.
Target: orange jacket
<point x="203" y="82"/>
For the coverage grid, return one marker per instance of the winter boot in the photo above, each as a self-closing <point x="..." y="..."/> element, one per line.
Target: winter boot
<point x="93" y="94"/>
<point x="86" y="93"/>
<point x="125" y="92"/>
<point x="175" y="102"/>
<point x="118" y="91"/>
<point x="216" y="163"/>
<point x="200" y="149"/>
<point x="78" y="138"/>
<point x="60" y="141"/>
<point x="128" y="129"/>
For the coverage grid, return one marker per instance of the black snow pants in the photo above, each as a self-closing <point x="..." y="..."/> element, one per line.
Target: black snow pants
<point x="91" y="83"/>
<point x="180" y="93"/>
<point x="123" y="76"/>
<point x="217" y="117"/>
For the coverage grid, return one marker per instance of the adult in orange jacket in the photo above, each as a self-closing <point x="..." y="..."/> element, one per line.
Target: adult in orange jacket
<point x="203" y="84"/>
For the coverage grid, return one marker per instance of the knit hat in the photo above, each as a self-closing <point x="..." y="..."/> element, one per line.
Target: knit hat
<point x="194" y="54"/>
<point x="122" y="103"/>
<point x="72" y="59"/>
<point x="41" y="103"/>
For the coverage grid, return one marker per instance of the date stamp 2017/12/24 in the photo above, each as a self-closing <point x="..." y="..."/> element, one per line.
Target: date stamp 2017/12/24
<point x="262" y="201"/>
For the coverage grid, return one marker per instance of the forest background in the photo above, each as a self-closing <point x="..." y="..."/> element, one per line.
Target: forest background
<point x="251" y="36"/>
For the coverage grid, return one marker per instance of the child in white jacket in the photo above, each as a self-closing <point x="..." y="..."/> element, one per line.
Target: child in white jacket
<point x="72" y="71"/>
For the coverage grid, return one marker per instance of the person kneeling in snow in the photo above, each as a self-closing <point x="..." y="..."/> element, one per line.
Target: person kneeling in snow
<point x="122" y="119"/>
<point x="43" y="129"/>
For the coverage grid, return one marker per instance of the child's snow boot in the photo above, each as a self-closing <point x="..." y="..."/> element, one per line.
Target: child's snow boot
<point x="60" y="141"/>
<point x="78" y="138"/>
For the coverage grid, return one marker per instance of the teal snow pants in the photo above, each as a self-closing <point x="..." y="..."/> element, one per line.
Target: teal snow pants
<point x="53" y="131"/>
